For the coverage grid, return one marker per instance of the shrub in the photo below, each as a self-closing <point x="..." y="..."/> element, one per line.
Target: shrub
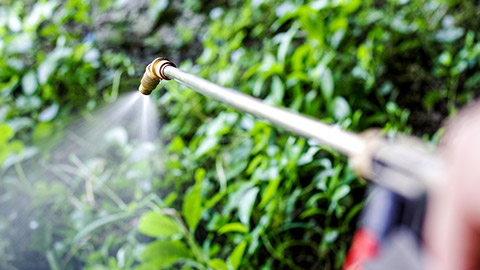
<point x="220" y="189"/>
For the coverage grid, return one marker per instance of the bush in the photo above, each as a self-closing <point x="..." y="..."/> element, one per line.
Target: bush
<point x="226" y="190"/>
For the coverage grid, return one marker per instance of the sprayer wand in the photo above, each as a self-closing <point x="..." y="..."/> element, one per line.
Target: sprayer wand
<point x="406" y="168"/>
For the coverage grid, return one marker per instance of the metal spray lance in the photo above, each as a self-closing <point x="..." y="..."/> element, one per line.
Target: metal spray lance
<point x="403" y="165"/>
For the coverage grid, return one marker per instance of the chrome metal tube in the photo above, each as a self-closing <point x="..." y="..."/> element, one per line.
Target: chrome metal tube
<point x="403" y="167"/>
<point x="346" y="142"/>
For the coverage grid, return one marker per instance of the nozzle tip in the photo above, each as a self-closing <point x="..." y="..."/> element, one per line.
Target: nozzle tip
<point x="148" y="84"/>
<point x="144" y="90"/>
<point x="153" y="74"/>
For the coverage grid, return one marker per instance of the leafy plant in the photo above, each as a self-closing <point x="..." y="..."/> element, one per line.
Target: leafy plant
<point x="219" y="189"/>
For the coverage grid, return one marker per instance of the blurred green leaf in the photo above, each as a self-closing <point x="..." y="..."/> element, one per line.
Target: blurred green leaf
<point x="269" y="192"/>
<point x="206" y="145"/>
<point x="192" y="207"/>
<point x="160" y="253"/>
<point x="340" y="108"/>
<point x="199" y="175"/>
<point x="326" y="81"/>
<point x="340" y="193"/>
<point x="445" y="58"/>
<point x="246" y="205"/>
<point x="330" y="236"/>
<point x="6" y="133"/>
<point x="218" y="264"/>
<point x="449" y="34"/>
<point x="237" y="254"/>
<point x="42" y="132"/>
<point x="48" y="66"/>
<point x="286" y="40"/>
<point x="29" y="83"/>
<point x="155" y="224"/>
<point x="49" y="113"/>
<point x="277" y="91"/>
<point x="233" y="227"/>
<point x="176" y="145"/>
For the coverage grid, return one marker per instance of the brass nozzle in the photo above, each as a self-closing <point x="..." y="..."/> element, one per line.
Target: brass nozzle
<point x="154" y="74"/>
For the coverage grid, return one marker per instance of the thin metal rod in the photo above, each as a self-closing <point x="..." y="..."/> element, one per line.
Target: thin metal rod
<point x="345" y="142"/>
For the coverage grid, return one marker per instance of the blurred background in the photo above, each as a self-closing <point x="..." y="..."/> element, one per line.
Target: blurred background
<point x="214" y="188"/>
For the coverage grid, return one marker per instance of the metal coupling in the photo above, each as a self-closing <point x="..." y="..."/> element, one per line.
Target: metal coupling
<point x="405" y="165"/>
<point x="154" y="73"/>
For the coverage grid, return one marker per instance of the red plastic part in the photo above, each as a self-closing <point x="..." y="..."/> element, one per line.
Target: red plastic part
<point x="364" y="247"/>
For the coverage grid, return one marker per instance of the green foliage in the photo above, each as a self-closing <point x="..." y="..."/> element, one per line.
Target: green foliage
<point x="156" y="224"/>
<point x="7" y="145"/>
<point x="160" y="254"/>
<point x="220" y="189"/>
<point x="192" y="207"/>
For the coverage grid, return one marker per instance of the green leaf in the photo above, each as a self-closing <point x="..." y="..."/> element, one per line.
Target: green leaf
<point x="233" y="227"/>
<point x="340" y="108"/>
<point x="277" y="91"/>
<point x="352" y="5"/>
<point x="217" y="126"/>
<point x="326" y="81"/>
<point x="340" y="193"/>
<point x="16" y="146"/>
<point x="286" y="40"/>
<point x="330" y="235"/>
<point x="7" y="88"/>
<point x="14" y="22"/>
<point x="445" y="59"/>
<point x="164" y="253"/>
<point x="199" y="175"/>
<point x="206" y="145"/>
<point x="42" y="133"/>
<point x="254" y="163"/>
<point x="156" y="224"/>
<point x="192" y="207"/>
<point x="246" y="205"/>
<point x="319" y="4"/>
<point x="307" y="157"/>
<point x="29" y="83"/>
<point x="6" y="133"/>
<point x="217" y="264"/>
<point x="156" y="9"/>
<point x="48" y="66"/>
<point x="338" y="24"/>
<point x="237" y="255"/>
<point x="170" y="198"/>
<point x="49" y="113"/>
<point x="269" y="192"/>
<point x="449" y="34"/>
<point x="176" y="145"/>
